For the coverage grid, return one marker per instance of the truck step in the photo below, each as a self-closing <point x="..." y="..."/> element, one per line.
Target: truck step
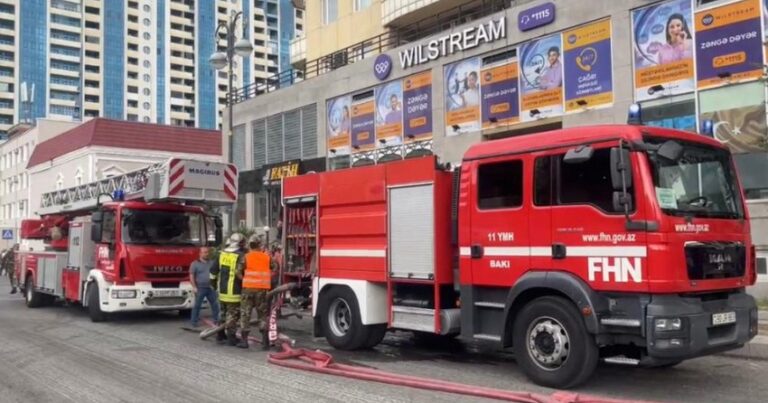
<point x="620" y="359"/>
<point x="489" y="337"/>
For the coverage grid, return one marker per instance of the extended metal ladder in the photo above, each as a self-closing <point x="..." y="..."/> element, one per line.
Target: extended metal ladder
<point x="84" y="197"/>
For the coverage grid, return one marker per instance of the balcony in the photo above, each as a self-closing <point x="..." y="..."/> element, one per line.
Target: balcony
<point x="298" y="51"/>
<point x="447" y="15"/>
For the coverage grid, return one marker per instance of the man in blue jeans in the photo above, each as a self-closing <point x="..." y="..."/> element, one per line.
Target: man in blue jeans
<point x="200" y="277"/>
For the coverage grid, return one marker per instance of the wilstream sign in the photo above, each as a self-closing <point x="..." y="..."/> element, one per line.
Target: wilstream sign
<point x="446" y="45"/>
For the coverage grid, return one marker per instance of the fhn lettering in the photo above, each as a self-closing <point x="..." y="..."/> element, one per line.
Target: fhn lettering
<point x="456" y="42"/>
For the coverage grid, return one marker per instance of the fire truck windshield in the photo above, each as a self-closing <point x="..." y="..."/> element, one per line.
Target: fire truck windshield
<point x="153" y="227"/>
<point x="700" y="183"/>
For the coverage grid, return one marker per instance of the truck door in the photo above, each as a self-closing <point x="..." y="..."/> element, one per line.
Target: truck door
<point x="499" y="230"/>
<point x="589" y="234"/>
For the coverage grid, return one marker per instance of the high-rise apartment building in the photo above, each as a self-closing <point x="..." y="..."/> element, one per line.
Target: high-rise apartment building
<point x="141" y="60"/>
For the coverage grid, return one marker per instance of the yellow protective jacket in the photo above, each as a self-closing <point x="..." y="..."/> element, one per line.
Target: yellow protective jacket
<point x="229" y="275"/>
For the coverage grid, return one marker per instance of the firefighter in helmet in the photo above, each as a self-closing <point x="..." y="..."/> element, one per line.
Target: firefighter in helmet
<point x="228" y="278"/>
<point x="257" y="282"/>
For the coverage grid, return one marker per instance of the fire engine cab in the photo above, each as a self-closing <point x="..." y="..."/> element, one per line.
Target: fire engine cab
<point x="133" y="252"/>
<point x="624" y="243"/>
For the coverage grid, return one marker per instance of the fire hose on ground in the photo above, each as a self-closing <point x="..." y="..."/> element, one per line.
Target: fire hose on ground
<point x="321" y="362"/>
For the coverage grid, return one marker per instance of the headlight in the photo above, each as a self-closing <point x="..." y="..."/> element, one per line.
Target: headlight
<point x="123" y="294"/>
<point x="667" y="324"/>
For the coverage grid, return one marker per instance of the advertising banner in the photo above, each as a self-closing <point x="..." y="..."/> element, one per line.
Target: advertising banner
<point x="389" y="114"/>
<point x="363" y="126"/>
<point x="339" y="125"/>
<point x="541" y="78"/>
<point x="588" y="66"/>
<point x="729" y="45"/>
<point x="417" y="96"/>
<point x="501" y="98"/>
<point x="462" y="96"/>
<point x="663" y="49"/>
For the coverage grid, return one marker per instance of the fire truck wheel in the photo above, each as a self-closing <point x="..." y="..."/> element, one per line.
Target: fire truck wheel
<point x="340" y="319"/>
<point x="94" y="304"/>
<point x="375" y="335"/>
<point x="552" y="345"/>
<point x="33" y="298"/>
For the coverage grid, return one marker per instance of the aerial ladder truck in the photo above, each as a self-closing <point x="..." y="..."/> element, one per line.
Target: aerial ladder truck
<point x="125" y="243"/>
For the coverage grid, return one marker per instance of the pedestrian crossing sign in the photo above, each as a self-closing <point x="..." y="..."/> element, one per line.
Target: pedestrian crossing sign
<point x="7" y="234"/>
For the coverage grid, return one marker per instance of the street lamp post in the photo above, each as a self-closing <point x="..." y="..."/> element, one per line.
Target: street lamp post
<point x="241" y="47"/>
<point x="218" y="60"/>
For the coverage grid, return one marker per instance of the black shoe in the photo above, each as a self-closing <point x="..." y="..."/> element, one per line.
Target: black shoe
<point x="232" y="339"/>
<point x="243" y="340"/>
<point x="13" y="290"/>
<point x="221" y="337"/>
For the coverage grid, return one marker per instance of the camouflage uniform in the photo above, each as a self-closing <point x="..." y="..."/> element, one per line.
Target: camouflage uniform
<point x="252" y="299"/>
<point x="7" y="264"/>
<point x="230" y="314"/>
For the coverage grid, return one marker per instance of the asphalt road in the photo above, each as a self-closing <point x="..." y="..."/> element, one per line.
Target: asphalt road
<point x="56" y="354"/>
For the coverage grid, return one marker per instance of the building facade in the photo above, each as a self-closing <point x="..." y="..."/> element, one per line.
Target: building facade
<point x="527" y="67"/>
<point x="16" y="186"/>
<point x="139" y="60"/>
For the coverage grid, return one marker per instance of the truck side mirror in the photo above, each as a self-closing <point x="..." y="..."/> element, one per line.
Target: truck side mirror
<point x="578" y="155"/>
<point x="97" y="216"/>
<point x="96" y="231"/>
<point x="622" y="201"/>
<point x="621" y="174"/>
<point x="670" y="150"/>
<point x="219" y="234"/>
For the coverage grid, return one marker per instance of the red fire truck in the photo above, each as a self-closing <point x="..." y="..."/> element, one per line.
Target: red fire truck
<point x="624" y="243"/>
<point x="131" y="253"/>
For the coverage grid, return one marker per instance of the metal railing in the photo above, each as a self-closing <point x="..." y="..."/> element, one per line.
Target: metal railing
<point x="394" y="38"/>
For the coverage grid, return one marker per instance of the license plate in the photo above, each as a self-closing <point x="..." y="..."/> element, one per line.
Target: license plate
<point x="724" y="318"/>
<point x="166" y="293"/>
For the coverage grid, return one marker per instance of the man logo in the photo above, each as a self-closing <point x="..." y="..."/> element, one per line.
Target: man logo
<point x="708" y="20"/>
<point x="382" y="66"/>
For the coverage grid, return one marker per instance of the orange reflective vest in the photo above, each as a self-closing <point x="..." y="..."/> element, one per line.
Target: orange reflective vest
<point x="257" y="274"/>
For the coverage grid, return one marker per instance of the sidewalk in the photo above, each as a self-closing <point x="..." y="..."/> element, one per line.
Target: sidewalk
<point x="757" y="349"/>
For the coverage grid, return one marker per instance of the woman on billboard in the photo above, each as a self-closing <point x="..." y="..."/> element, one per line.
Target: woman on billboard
<point x="679" y="45"/>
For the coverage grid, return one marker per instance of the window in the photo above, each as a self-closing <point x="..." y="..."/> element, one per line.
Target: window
<point x="146" y="106"/>
<point x="147" y="64"/>
<point x="147" y="91"/>
<point x="500" y="185"/>
<point x="147" y="36"/>
<point x="147" y="78"/>
<point x="762" y="266"/>
<point x="147" y="8"/>
<point x="147" y="50"/>
<point x="362" y="4"/>
<point x="588" y="182"/>
<point x="147" y="22"/>
<point x="330" y="11"/>
<point x="542" y="181"/>
<point x="671" y="113"/>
